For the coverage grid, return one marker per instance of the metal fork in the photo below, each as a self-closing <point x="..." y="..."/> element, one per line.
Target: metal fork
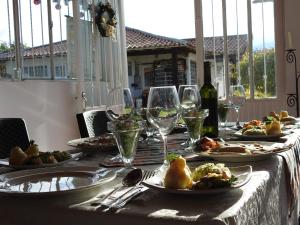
<point x="130" y="193"/>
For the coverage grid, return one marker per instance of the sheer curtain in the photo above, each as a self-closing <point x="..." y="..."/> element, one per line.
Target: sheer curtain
<point x="99" y="63"/>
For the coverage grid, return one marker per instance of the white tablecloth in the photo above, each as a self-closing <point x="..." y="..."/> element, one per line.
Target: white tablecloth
<point x="263" y="200"/>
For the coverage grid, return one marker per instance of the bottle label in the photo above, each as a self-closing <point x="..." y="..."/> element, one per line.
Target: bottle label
<point x="210" y="125"/>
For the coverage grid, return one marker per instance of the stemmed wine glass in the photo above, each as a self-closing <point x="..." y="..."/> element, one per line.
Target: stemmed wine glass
<point x="119" y="104"/>
<point x="163" y="112"/>
<point x="191" y="111"/>
<point x="189" y="96"/>
<point x="237" y="98"/>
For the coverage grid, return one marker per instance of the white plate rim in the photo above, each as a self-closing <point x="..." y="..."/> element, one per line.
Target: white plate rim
<point x="160" y="188"/>
<point x="72" y="169"/>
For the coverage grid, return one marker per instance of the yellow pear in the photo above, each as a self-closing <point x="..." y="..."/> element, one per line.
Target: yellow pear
<point x="17" y="156"/>
<point x="178" y="176"/>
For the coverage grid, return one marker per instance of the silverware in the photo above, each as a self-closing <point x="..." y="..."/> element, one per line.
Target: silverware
<point x="132" y="178"/>
<point x="126" y="196"/>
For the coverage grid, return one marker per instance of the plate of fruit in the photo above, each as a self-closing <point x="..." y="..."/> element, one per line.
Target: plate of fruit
<point x="32" y="157"/>
<point x="206" y="178"/>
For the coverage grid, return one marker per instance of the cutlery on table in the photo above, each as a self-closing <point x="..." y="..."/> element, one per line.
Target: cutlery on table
<point x="132" y="178"/>
<point x="133" y="191"/>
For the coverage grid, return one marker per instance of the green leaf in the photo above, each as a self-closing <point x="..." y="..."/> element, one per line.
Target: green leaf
<point x="172" y="156"/>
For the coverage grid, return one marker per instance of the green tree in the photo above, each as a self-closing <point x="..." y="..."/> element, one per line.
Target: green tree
<point x="258" y="61"/>
<point x="4" y="47"/>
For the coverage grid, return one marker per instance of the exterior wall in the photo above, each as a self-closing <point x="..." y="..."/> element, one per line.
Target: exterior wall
<point x="48" y="108"/>
<point x="58" y="60"/>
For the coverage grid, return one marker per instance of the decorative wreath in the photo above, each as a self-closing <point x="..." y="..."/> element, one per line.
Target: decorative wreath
<point x="106" y="20"/>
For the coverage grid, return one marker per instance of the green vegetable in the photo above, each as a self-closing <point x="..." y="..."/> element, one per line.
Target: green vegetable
<point x="172" y="156"/>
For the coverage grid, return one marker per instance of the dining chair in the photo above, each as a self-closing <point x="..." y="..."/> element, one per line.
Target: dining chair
<point x="13" y="132"/>
<point x="92" y="123"/>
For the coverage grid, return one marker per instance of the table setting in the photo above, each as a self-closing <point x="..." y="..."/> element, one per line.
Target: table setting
<point x="186" y="178"/>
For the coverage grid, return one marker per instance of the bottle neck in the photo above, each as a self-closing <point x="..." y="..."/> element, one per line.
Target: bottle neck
<point x="207" y="73"/>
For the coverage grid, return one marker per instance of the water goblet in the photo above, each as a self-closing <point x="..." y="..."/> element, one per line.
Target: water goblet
<point x="126" y="134"/>
<point x="119" y="104"/>
<point x="237" y="98"/>
<point x="163" y="112"/>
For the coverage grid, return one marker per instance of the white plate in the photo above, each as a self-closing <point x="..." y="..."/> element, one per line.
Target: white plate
<point x="74" y="156"/>
<point x="257" y="137"/>
<point x="93" y="143"/>
<point x="55" y="181"/>
<point x="269" y="149"/>
<point x="243" y="173"/>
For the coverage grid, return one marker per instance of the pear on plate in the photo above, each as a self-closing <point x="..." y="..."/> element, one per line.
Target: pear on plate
<point x="32" y="150"/>
<point x="17" y="156"/>
<point x="178" y="175"/>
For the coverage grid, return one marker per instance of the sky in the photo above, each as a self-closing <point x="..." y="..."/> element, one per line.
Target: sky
<point x="170" y="18"/>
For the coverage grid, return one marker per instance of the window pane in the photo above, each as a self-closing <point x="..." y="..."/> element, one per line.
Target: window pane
<point x="263" y="49"/>
<point x="214" y="42"/>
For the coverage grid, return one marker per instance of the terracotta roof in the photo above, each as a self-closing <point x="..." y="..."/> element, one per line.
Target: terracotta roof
<point x="232" y="46"/>
<point x="59" y="48"/>
<point x="140" y="40"/>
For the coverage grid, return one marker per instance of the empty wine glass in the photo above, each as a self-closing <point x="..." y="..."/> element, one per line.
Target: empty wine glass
<point x="237" y="98"/>
<point x="189" y="96"/>
<point x="163" y="112"/>
<point x="119" y="104"/>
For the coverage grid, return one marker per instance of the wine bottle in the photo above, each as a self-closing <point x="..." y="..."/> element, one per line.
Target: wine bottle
<point x="209" y="100"/>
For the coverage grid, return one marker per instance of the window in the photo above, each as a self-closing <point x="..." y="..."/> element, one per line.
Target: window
<point x="130" y="69"/>
<point x="60" y="71"/>
<point x="243" y="58"/>
<point x="37" y="72"/>
<point x="36" y="41"/>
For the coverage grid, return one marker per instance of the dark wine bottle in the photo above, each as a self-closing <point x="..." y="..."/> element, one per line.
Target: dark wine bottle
<point x="209" y="100"/>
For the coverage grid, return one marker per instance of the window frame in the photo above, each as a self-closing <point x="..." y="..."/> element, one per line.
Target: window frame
<point x="279" y="49"/>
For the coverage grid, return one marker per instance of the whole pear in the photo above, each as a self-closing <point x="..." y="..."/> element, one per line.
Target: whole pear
<point x="17" y="156"/>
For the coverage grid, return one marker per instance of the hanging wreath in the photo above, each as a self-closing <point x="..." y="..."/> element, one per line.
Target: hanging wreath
<point x="106" y="20"/>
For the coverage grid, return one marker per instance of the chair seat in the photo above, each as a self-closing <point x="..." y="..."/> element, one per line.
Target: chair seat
<point x="13" y="132"/>
<point x="92" y="123"/>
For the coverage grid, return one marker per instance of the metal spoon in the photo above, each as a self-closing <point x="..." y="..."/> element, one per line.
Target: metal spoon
<point x="132" y="178"/>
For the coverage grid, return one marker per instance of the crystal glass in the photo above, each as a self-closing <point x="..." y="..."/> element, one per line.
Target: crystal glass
<point x="126" y="134"/>
<point x="119" y="104"/>
<point x="193" y="118"/>
<point x="149" y="128"/>
<point x="237" y="98"/>
<point x="223" y="109"/>
<point x="163" y="111"/>
<point x="189" y="96"/>
<point x="191" y="113"/>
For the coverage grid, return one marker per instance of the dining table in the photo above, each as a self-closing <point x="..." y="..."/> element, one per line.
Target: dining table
<point x="270" y="197"/>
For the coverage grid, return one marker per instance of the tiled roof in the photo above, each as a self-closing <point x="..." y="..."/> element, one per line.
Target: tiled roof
<point x="59" y="48"/>
<point x="140" y="40"/>
<point x="232" y="46"/>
